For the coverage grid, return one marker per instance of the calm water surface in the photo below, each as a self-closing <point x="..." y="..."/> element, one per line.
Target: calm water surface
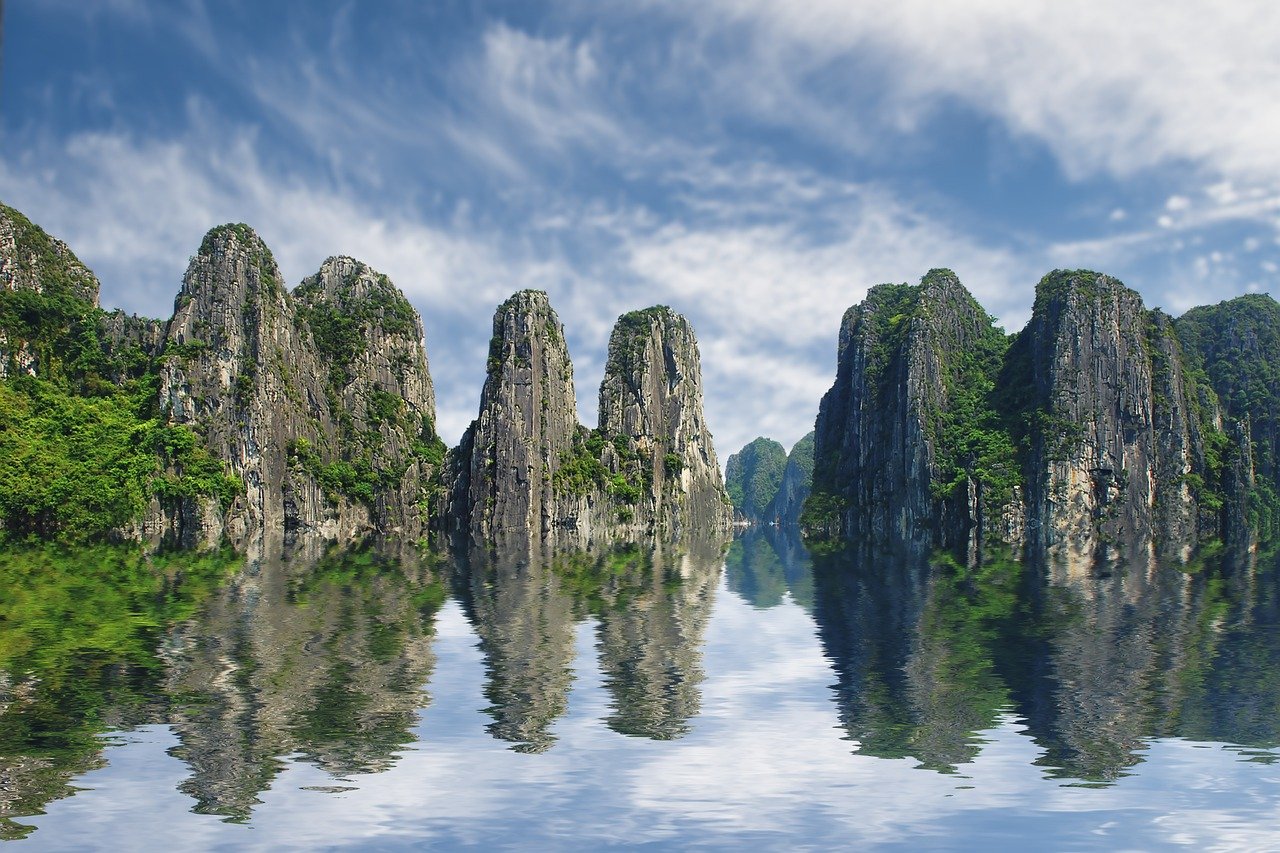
<point x="755" y="698"/>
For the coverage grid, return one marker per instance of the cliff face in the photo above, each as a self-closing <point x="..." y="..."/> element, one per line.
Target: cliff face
<point x="505" y="469"/>
<point x="47" y="296"/>
<point x="1087" y="429"/>
<point x="320" y="402"/>
<point x="1118" y="431"/>
<point x="651" y="412"/>
<point x="378" y="385"/>
<point x="752" y="477"/>
<point x="797" y="481"/>
<point x="913" y="361"/>
<point x="527" y="471"/>
<point x="1235" y="345"/>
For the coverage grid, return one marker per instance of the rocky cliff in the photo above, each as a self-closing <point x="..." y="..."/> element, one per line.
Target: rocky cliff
<point x="505" y="470"/>
<point x="906" y="443"/>
<point x="752" y="477"/>
<point x="651" y="413"/>
<point x="527" y="470"/>
<point x="48" y="299"/>
<point x="1119" y="429"/>
<point x="797" y="481"/>
<point x="1235" y="347"/>
<point x="1088" y="428"/>
<point x="319" y="401"/>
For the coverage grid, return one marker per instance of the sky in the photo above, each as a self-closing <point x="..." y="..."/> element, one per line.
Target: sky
<point x="755" y="164"/>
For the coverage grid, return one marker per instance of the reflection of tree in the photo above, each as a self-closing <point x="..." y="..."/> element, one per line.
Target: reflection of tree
<point x="77" y="638"/>
<point x="325" y="660"/>
<point x="764" y="563"/>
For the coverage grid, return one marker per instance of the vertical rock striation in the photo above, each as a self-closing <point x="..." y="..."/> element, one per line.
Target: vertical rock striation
<point x="1235" y="347"/>
<point x="899" y="444"/>
<point x="651" y="411"/>
<point x="1088" y="428"/>
<point x="526" y="470"/>
<point x="504" y="471"/>
<point x="320" y="402"/>
<point x="1117" y="427"/>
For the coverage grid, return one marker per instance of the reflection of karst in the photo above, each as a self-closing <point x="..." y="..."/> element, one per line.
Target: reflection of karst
<point x="326" y="662"/>
<point x="651" y="606"/>
<point x="525" y="620"/>
<point x="765" y="563"/>
<point x="911" y="653"/>
<point x="1096" y="658"/>
<point x="653" y="612"/>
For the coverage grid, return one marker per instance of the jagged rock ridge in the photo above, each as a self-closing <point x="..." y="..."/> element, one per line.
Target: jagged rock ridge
<point x="319" y="400"/>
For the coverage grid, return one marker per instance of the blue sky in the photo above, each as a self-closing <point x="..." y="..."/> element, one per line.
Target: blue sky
<point x="755" y="164"/>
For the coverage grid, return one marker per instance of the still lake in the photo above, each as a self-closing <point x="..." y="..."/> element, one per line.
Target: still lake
<point x="756" y="697"/>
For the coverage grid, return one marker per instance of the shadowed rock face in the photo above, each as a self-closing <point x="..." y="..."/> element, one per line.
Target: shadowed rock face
<point x="877" y="454"/>
<point x="527" y="471"/>
<point x="1088" y="429"/>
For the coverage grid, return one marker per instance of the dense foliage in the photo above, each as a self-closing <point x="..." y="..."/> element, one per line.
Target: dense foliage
<point x="1235" y="346"/>
<point x="83" y="448"/>
<point x="753" y="475"/>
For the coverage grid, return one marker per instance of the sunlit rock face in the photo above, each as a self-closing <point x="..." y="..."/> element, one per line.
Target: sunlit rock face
<point x="527" y="471"/>
<point x="33" y="262"/>
<point x="320" y="401"/>
<point x="1120" y="430"/>
<point x="651" y="407"/>
<point x="504" y="471"/>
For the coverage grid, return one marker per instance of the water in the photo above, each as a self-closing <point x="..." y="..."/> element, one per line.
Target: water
<point x="758" y="698"/>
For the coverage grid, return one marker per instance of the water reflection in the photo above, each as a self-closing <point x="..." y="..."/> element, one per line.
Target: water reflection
<point x="325" y="659"/>
<point x="321" y="661"/>
<point x="1096" y="659"/>
<point x="766" y="563"/>
<point x="78" y="630"/>
<point x="651" y="604"/>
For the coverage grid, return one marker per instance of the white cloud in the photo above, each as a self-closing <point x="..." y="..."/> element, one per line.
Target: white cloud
<point x="1108" y="88"/>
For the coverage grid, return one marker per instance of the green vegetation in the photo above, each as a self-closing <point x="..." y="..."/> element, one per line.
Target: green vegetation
<point x="972" y="437"/>
<point x="76" y="468"/>
<point x="630" y="336"/>
<point x="78" y="633"/>
<point x="1234" y="347"/>
<point x="582" y="470"/>
<point x="753" y="475"/>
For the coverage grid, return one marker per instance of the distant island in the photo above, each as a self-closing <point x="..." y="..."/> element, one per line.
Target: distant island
<point x="258" y="413"/>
